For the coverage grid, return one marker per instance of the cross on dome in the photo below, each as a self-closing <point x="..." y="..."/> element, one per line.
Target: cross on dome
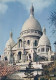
<point x="32" y="10"/>
<point x="44" y="30"/>
<point x="11" y="34"/>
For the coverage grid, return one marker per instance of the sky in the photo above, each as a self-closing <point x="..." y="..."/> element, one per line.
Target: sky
<point x="13" y="14"/>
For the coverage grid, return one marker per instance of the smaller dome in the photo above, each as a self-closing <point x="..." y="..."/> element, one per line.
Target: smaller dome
<point x="44" y="39"/>
<point x="10" y="42"/>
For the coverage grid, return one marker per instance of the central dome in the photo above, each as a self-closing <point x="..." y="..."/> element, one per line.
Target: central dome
<point x="31" y="23"/>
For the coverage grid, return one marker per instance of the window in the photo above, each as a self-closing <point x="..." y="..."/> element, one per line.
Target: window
<point x="0" y="56"/>
<point x="19" y="55"/>
<point x="35" y="43"/>
<point x="47" y="49"/>
<point x="11" y="54"/>
<point x="5" y="58"/>
<point x="38" y="50"/>
<point x="40" y="32"/>
<point x="28" y="42"/>
<point x="36" y="31"/>
<point x="30" y="56"/>
<point x="20" y="43"/>
<point x="42" y="49"/>
<point x="24" y="42"/>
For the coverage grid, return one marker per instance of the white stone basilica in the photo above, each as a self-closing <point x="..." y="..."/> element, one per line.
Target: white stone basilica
<point x="32" y="44"/>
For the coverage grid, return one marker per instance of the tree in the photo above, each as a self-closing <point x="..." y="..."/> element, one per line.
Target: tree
<point x="53" y="18"/>
<point x="42" y="79"/>
<point x="53" y="15"/>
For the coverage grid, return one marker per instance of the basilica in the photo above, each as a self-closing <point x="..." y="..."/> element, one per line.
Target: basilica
<point x="32" y="43"/>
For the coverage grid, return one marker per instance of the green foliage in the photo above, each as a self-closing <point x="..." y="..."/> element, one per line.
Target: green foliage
<point x="43" y="79"/>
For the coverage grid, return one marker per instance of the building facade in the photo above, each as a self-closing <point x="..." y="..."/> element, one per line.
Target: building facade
<point x="32" y="43"/>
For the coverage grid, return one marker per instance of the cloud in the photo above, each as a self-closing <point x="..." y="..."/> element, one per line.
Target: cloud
<point x="38" y="4"/>
<point x="5" y="1"/>
<point x="3" y="8"/>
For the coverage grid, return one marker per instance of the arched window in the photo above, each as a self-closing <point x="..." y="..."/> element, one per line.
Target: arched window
<point x="28" y="42"/>
<point x="19" y="55"/>
<point x="47" y="49"/>
<point x="20" y="43"/>
<point x="6" y="58"/>
<point x="12" y="59"/>
<point x="42" y="49"/>
<point x="30" y="56"/>
<point x="35" y="43"/>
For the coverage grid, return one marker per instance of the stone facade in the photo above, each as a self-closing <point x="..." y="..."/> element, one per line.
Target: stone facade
<point x="30" y="44"/>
